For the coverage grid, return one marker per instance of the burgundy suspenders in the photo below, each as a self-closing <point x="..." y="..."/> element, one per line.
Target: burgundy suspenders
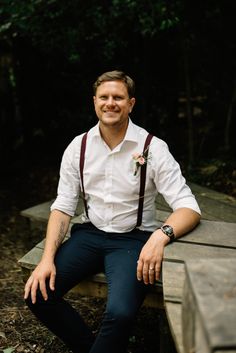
<point x="81" y="167"/>
<point x="143" y="171"/>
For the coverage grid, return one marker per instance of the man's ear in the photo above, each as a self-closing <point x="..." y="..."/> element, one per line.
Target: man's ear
<point x="132" y="103"/>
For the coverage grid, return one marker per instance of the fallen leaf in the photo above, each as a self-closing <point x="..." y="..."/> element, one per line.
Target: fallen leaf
<point x="8" y="350"/>
<point x="2" y="334"/>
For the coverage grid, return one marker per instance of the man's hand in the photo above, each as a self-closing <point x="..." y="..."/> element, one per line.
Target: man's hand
<point x="150" y="258"/>
<point x="56" y="230"/>
<point x="149" y="264"/>
<point x="44" y="270"/>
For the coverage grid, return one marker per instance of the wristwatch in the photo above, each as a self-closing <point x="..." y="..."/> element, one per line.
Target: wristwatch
<point x="168" y="230"/>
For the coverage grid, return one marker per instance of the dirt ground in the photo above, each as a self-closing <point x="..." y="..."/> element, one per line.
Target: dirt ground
<point x="19" y="330"/>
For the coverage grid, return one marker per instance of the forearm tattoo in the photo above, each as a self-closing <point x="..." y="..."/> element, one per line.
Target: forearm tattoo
<point x="61" y="234"/>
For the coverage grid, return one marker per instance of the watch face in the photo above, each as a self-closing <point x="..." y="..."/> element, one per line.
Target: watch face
<point x="168" y="229"/>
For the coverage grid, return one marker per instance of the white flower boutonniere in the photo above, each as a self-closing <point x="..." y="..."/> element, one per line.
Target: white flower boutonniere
<point x="140" y="159"/>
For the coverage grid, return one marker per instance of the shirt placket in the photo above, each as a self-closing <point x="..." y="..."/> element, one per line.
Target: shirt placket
<point x="108" y="214"/>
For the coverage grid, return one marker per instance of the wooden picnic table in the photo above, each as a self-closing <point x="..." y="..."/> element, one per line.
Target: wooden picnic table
<point x="188" y="274"/>
<point x="211" y="242"/>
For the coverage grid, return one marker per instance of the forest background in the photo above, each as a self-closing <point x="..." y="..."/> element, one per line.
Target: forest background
<point x="180" y="53"/>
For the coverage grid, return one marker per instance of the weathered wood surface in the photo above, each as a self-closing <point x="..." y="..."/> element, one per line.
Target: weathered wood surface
<point x="174" y="316"/>
<point x="209" y="241"/>
<point x="209" y="305"/>
<point x="173" y="281"/>
<point x="215" y="206"/>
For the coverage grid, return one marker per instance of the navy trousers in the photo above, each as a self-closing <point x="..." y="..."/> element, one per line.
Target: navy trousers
<point x="89" y="251"/>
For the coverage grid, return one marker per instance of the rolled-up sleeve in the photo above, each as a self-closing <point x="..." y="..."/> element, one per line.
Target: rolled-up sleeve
<point x="69" y="182"/>
<point x="169" y="179"/>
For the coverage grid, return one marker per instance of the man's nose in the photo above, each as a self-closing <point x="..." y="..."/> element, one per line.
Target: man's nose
<point x="110" y="101"/>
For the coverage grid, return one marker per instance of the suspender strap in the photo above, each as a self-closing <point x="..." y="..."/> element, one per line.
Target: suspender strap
<point x="143" y="171"/>
<point x="81" y="166"/>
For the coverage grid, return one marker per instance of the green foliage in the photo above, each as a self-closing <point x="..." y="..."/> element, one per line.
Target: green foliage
<point x="51" y="51"/>
<point x="68" y="26"/>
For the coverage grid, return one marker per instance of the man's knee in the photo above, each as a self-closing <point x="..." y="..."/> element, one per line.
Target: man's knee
<point x="119" y="314"/>
<point x="40" y="301"/>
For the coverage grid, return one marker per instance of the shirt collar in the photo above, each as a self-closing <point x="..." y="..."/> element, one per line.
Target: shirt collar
<point x="131" y="132"/>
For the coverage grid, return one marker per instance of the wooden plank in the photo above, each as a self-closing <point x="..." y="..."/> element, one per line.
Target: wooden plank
<point x="209" y="305"/>
<point x="161" y="215"/>
<point x="31" y="258"/>
<point x="212" y="194"/>
<point x="91" y="289"/>
<point x="181" y="252"/>
<point x="161" y="204"/>
<point x="200" y="340"/>
<point x="39" y="212"/>
<point x="215" y="210"/>
<point x="173" y="274"/>
<point x="211" y="233"/>
<point x="214" y="205"/>
<point x="174" y="316"/>
<point x="225" y="351"/>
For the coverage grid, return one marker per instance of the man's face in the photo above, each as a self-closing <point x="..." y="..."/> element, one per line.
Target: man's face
<point x="112" y="104"/>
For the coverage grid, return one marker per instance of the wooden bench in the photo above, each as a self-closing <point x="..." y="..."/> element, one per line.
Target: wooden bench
<point x="209" y="241"/>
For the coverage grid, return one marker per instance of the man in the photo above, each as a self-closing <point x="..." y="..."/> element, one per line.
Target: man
<point x="113" y="238"/>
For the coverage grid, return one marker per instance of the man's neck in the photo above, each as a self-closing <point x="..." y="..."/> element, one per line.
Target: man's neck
<point x="113" y="135"/>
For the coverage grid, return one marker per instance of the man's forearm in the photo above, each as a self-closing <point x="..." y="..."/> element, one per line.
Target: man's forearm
<point x="58" y="224"/>
<point x="183" y="220"/>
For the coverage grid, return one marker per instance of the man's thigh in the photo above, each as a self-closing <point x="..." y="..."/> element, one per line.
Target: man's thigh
<point x="78" y="257"/>
<point x="124" y="290"/>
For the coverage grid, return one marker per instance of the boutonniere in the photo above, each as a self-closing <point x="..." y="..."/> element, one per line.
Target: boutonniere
<point x="140" y="159"/>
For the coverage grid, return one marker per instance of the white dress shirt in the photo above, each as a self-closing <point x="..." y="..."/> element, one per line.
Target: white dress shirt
<point x="112" y="189"/>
